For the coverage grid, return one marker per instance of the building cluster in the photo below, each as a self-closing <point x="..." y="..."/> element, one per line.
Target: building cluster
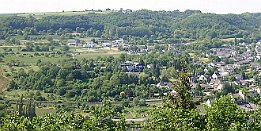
<point x="242" y="72"/>
<point x="91" y="44"/>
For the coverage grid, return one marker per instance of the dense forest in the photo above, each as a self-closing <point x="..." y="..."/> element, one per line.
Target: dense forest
<point x="173" y="26"/>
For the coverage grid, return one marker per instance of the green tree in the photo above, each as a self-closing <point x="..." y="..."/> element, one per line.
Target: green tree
<point x="65" y="48"/>
<point x="183" y="98"/>
<point x="224" y="114"/>
<point x="169" y="117"/>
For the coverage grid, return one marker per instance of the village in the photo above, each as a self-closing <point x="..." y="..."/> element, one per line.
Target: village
<point x="234" y="69"/>
<point x="130" y="65"/>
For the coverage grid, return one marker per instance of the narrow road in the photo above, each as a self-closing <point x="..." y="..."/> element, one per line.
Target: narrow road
<point x="132" y="119"/>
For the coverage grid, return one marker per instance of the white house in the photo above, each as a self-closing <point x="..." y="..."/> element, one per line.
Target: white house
<point x="89" y="45"/>
<point x="118" y="41"/>
<point x="214" y="76"/>
<point x="106" y="44"/>
<point x="240" y="93"/>
<point x="202" y="78"/>
<point x="211" y="65"/>
<point x="208" y="103"/>
<point x="258" y="90"/>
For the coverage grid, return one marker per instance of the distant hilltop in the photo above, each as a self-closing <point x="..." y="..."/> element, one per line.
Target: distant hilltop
<point x="172" y="26"/>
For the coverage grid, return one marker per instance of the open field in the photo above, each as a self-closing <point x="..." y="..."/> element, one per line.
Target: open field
<point x="99" y="52"/>
<point x="28" y="60"/>
<point x="65" y="13"/>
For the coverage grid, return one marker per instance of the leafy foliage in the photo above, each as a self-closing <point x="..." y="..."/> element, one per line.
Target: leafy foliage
<point x="98" y="119"/>
<point x="223" y="114"/>
<point x="172" y="25"/>
<point x="169" y="117"/>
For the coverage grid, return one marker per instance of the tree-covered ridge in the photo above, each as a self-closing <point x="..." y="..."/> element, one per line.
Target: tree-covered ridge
<point x="152" y="24"/>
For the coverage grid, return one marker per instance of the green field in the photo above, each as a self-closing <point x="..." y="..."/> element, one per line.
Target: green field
<point x="97" y="52"/>
<point x="29" y="60"/>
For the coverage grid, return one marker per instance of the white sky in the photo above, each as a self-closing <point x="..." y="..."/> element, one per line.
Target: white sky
<point x="212" y="6"/>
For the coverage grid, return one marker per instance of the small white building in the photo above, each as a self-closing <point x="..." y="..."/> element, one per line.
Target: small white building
<point x="202" y="78"/>
<point x="89" y="45"/>
<point x="119" y="41"/>
<point x="215" y="76"/>
<point x="208" y="103"/>
<point x="258" y="90"/>
<point x="106" y="44"/>
<point x="240" y="93"/>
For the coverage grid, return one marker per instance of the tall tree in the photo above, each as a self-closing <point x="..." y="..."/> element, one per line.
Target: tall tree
<point x="224" y="114"/>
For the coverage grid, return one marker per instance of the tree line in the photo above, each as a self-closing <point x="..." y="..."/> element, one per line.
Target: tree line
<point x="177" y="112"/>
<point x="155" y="25"/>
